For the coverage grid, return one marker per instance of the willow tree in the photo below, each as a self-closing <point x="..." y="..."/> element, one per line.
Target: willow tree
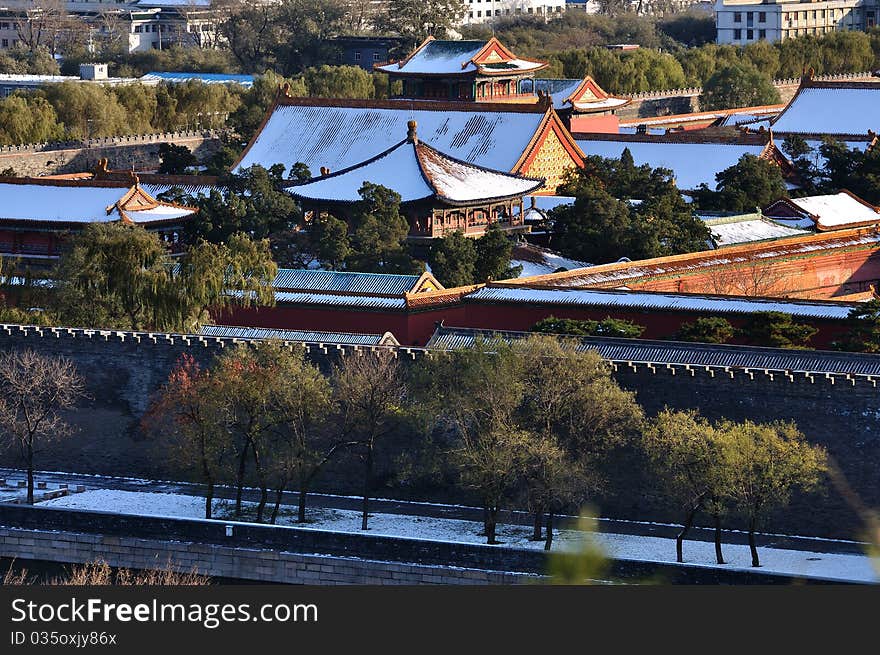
<point x="115" y="275"/>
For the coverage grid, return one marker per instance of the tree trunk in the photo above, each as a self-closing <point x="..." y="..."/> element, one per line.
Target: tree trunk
<point x="239" y="480"/>
<point x="368" y="473"/>
<point x="752" y="546"/>
<point x="209" y="499"/>
<point x="264" y="488"/>
<point x="536" y="531"/>
<point x="549" y="542"/>
<point x="30" y="473"/>
<point x="301" y="509"/>
<point x="278" y="493"/>
<point x="264" y="498"/>
<point x="719" y="556"/>
<point x="491" y="523"/>
<point x="685" y="528"/>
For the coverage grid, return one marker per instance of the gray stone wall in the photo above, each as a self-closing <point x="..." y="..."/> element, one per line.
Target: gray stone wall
<point x="137" y="152"/>
<point x="238" y="563"/>
<point x="842" y="413"/>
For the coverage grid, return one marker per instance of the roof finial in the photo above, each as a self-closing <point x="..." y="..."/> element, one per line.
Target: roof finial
<point x="411" y="135"/>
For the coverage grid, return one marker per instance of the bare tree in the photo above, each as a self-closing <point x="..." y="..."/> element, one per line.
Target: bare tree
<point x="370" y="391"/>
<point x="46" y="24"/>
<point x="34" y="390"/>
<point x="753" y="277"/>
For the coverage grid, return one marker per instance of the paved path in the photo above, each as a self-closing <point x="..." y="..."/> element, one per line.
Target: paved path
<point x="436" y="510"/>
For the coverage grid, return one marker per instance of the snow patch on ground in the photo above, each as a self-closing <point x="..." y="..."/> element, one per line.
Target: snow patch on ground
<point x="831" y="566"/>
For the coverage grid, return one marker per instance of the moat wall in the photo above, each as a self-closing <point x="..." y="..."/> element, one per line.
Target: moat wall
<point x="124" y="369"/>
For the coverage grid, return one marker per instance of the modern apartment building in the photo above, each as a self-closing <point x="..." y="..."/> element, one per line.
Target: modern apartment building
<point x="746" y="21"/>
<point x="483" y="11"/>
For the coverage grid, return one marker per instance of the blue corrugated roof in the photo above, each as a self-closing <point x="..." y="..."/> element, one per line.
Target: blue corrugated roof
<point x="207" y="78"/>
<point x="379" y="284"/>
<point x="380" y="302"/>
<point x="680" y="353"/>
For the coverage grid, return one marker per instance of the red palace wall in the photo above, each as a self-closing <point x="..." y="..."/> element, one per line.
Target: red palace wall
<point x="416" y="328"/>
<point x="609" y="124"/>
<point x="818" y="276"/>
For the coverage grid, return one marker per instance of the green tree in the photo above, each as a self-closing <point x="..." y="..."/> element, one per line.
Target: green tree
<point x="863" y="329"/>
<point x="577" y="414"/>
<point x="175" y="159"/>
<point x="28" y="119"/>
<point x="739" y="85"/>
<point x="288" y="36"/>
<point x="767" y="463"/>
<point x="493" y="251"/>
<point x="300" y="447"/>
<point x="377" y="233"/>
<point x="329" y="237"/>
<point x="707" y="329"/>
<point x="686" y="453"/>
<point x="777" y="330"/>
<point x="248" y="201"/>
<point x="607" y="327"/>
<point x="86" y="110"/>
<point x="453" y="260"/>
<point x="119" y="276"/>
<point x="751" y="182"/>
<point x="141" y="105"/>
<point x="371" y="393"/>
<point x="475" y="392"/>
<point x="339" y="82"/>
<point x="601" y="225"/>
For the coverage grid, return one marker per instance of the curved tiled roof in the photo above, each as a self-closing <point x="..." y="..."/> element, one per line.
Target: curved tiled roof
<point x="435" y="57"/>
<point x="417" y="171"/>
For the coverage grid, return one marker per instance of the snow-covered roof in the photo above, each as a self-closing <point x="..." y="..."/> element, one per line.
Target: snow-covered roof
<point x="207" y="78"/>
<point x="435" y="57"/>
<point x="306" y="336"/>
<point x="81" y="202"/>
<point x="730" y="231"/>
<point x="832" y="108"/>
<point x="583" y="95"/>
<point x="643" y="300"/>
<point x="835" y="211"/>
<point x="337" y="137"/>
<point x="692" y="164"/>
<point x="417" y="171"/>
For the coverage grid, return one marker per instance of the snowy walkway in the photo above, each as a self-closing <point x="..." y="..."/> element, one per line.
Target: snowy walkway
<point x="828" y="566"/>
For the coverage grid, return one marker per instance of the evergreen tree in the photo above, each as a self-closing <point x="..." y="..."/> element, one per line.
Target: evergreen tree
<point x="378" y="232"/>
<point x="749" y="184"/>
<point x="777" y="330"/>
<point x="493" y="256"/>
<point x="453" y="260"/>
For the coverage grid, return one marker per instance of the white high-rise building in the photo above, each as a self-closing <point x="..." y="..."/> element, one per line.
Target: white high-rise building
<point x="483" y="11"/>
<point x="746" y="21"/>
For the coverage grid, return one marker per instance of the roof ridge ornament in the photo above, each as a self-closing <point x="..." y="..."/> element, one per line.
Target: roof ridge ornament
<point x="411" y="135"/>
